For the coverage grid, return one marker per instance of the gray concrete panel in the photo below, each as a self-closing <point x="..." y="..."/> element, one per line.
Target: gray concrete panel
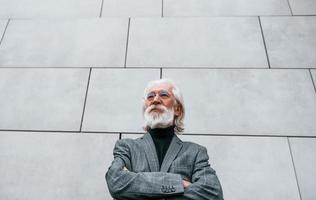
<point x="226" y="8"/>
<point x="249" y="167"/>
<point x="303" y="7"/>
<point x="65" y="43"/>
<point x="247" y="101"/>
<point x="314" y="76"/>
<point x="115" y="98"/>
<point x="49" y="8"/>
<point x="290" y="41"/>
<point x="55" y="165"/>
<point x="129" y="8"/>
<point x="2" y="27"/>
<point x="42" y="99"/>
<point x="304" y="156"/>
<point x="132" y="135"/>
<point x="200" y="42"/>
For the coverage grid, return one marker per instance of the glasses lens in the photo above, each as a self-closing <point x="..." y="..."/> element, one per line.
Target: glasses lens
<point x="162" y="94"/>
<point x="151" y="96"/>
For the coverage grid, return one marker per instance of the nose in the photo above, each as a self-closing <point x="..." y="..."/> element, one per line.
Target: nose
<point x="156" y="100"/>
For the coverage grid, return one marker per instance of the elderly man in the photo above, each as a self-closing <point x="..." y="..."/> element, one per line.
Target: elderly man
<point x="159" y="165"/>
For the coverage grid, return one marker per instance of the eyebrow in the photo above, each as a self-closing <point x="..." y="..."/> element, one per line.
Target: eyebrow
<point x="159" y="91"/>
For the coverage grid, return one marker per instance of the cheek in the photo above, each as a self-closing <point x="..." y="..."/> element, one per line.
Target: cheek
<point x="146" y="103"/>
<point x="169" y="104"/>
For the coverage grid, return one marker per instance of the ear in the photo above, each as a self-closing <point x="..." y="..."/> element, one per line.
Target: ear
<point x="177" y="110"/>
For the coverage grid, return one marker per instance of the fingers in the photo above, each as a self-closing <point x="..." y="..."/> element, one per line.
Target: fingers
<point x="186" y="183"/>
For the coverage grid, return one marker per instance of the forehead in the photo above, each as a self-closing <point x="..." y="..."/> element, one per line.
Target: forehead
<point x="162" y="86"/>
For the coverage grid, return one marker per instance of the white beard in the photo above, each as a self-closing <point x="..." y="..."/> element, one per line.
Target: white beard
<point x="158" y="120"/>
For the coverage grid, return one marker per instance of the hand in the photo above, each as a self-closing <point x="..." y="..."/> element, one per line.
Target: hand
<point x="186" y="183"/>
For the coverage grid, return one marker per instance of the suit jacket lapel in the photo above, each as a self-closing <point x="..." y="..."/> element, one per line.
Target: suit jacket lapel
<point x="172" y="152"/>
<point x="151" y="154"/>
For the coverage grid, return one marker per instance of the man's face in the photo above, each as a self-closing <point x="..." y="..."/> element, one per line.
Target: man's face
<point x="160" y="106"/>
<point x="161" y="95"/>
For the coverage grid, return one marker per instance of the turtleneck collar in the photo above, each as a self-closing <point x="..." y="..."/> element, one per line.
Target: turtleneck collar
<point x="162" y="132"/>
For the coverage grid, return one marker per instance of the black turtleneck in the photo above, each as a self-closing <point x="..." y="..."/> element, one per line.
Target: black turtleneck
<point x="162" y="138"/>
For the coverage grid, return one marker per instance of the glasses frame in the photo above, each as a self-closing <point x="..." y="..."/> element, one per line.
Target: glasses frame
<point x="163" y="94"/>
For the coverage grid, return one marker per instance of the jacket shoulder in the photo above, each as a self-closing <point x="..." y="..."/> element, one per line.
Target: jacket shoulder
<point x="129" y="141"/>
<point x="193" y="146"/>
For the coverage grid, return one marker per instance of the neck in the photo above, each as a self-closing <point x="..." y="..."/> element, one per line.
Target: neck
<point x="162" y="132"/>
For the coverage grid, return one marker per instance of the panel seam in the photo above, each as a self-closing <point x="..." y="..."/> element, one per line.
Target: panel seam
<point x="294" y="168"/>
<point x="5" y="30"/>
<point x="101" y="10"/>
<point x="127" y="39"/>
<point x="85" y="99"/>
<point x="162" y="8"/>
<point x="264" y="43"/>
<point x="288" y="2"/>
<point x="311" y="75"/>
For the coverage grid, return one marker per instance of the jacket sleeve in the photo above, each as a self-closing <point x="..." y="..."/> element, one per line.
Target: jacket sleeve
<point x="205" y="184"/>
<point x="125" y="184"/>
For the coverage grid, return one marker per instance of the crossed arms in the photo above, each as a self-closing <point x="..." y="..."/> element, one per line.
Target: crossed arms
<point x="127" y="185"/>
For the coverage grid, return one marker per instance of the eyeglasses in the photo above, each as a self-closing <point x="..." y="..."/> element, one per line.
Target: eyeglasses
<point x="162" y="94"/>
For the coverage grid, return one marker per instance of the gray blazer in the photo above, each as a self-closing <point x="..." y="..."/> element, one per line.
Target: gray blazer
<point x="144" y="180"/>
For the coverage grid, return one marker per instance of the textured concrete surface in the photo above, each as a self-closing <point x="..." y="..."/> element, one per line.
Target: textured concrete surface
<point x="225" y="8"/>
<point x="2" y="27"/>
<point x="114" y="100"/>
<point x="72" y="75"/>
<point x="313" y="72"/>
<point x="64" y="43"/>
<point x="42" y="99"/>
<point x="221" y="42"/>
<point x="248" y="101"/>
<point x="131" y="8"/>
<point x="291" y="41"/>
<point x="54" y="165"/>
<point x="241" y="161"/>
<point x="304" y="156"/>
<point x="303" y="7"/>
<point x="49" y="8"/>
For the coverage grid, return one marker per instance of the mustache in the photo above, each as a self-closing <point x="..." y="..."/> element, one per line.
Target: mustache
<point x="152" y="107"/>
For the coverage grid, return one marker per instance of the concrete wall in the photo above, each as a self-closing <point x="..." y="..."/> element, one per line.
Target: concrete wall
<point x="72" y="75"/>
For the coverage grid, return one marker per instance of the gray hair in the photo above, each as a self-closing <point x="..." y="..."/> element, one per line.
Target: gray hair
<point x="178" y="121"/>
